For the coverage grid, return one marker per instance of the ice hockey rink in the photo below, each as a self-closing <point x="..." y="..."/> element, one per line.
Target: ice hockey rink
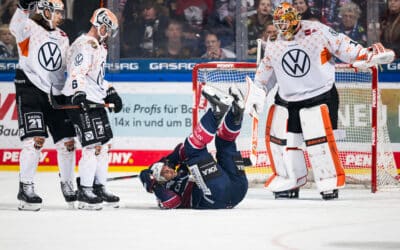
<point x="358" y="220"/>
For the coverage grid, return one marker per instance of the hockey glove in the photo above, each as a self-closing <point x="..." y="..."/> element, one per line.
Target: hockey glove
<point x="375" y="54"/>
<point x="147" y="179"/>
<point x="176" y="157"/>
<point x="27" y="4"/>
<point x="255" y="98"/>
<point x="79" y="98"/>
<point x="113" y="97"/>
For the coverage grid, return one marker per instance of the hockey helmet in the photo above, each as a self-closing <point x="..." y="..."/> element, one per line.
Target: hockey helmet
<point x="157" y="168"/>
<point x="286" y="19"/>
<point x="47" y="8"/>
<point x="104" y="17"/>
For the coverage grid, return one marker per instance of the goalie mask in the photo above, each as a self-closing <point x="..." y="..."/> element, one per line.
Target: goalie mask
<point x="105" y="22"/>
<point x="52" y="11"/>
<point x="286" y="19"/>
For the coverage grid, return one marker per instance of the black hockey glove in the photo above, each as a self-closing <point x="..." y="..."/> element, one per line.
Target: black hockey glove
<point x="113" y="97"/>
<point x="26" y="4"/>
<point x="79" y="98"/>
<point x="147" y="179"/>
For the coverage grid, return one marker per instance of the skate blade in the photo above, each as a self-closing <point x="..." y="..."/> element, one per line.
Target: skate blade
<point x="221" y="96"/>
<point x="111" y="204"/>
<point x="24" y="206"/>
<point x="87" y="206"/>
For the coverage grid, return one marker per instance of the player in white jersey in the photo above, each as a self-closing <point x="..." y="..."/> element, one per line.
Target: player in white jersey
<point x="301" y="63"/>
<point x="42" y="48"/>
<point x="86" y="85"/>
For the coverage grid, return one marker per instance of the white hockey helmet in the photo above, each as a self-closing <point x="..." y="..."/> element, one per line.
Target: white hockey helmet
<point x="47" y="8"/>
<point x="157" y="169"/>
<point x="104" y="17"/>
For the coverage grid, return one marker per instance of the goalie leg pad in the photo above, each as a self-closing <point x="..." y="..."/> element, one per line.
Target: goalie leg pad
<point x="321" y="147"/>
<point x="287" y="160"/>
<point x="295" y="167"/>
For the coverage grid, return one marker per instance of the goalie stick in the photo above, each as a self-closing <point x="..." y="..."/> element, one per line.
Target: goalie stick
<point x="55" y="105"/>
<point x="254" y="115"/>
<point x="124" y="177"/>
<point x="246" y="162"/>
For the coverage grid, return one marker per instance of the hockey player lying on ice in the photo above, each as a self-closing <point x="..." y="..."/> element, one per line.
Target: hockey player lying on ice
<point x="189" y="177"/>
<point x="300" y="61"/>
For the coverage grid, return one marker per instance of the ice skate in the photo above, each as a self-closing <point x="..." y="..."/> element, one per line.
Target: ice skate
<point x="88" y="200"/>
<point x="70" y="195"/>
<point x="109" y="198"/>
<point x="330" y="195"/>
<point x="238" y="104"/>
<point x="29" y="200"/>
<point x="219" y="101"/>
<point x="288" y="194"/>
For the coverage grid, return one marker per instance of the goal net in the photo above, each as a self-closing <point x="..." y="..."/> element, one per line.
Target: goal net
<point x="362" y="135"/>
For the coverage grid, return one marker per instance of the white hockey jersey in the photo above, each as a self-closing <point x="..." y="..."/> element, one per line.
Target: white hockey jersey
<point x="41" y="52"/>
<point x="304" y="67"/>
<point x="86" y="59"/>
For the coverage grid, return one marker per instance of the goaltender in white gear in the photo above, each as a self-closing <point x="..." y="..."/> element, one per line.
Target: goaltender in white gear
<point x="301" y="63"/>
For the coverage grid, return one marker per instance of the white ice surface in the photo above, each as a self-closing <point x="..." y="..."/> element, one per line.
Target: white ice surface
<point x="358" y="220"/>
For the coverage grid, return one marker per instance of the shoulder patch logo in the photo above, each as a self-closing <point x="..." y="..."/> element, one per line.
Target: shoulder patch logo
<point x="78" y="59"/>
<point x="333" y="32"/>
<point x="93" y="44"/>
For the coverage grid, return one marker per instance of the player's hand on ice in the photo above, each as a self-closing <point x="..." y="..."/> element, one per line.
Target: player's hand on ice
<point x="375" y="54"/>
<point x="148" y="180"/>
<point x="79" y="98"/>
<point x="113" y="97"/>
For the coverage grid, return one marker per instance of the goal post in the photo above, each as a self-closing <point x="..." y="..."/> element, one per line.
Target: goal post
<point x="362" y="135"/>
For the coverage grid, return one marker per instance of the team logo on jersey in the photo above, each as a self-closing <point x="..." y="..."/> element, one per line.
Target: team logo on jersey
<point x="333" y="32"/>
<point x="50" y="56"/>
<point x="78" y="59"/>
<point x="296" y="63"/>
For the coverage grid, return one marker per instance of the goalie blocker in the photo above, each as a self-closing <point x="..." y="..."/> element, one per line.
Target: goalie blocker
<point x="287" y="158"/>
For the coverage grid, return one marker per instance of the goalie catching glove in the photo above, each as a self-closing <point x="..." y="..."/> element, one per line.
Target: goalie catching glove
<point x="375" y="54"/>
<point x="113" y="97"/>
<point x="255" y="98"/>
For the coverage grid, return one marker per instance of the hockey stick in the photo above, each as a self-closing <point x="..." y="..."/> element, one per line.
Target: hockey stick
<point x="254" y="120"/>
<point x="55" y="105"/>
<point x="122" y="177"/>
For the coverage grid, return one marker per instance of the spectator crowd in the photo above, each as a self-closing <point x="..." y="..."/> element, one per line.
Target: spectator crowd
<point x="189" y="29"/>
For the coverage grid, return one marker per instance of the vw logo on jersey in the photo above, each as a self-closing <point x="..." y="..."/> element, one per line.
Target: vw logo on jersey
<point x="296" y="63"/>
<point x="50" y="56"/>
<point x="78" y="59"/>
